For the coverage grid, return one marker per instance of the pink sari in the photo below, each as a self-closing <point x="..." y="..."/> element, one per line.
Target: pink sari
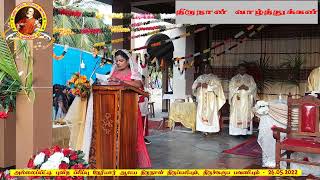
<point x="142" y="152"/>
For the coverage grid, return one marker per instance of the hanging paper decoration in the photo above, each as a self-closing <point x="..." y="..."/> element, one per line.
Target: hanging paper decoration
<point x="100" y="15"/>
<point x="68" y="32"/>
<point x="115" y="41"/>
<point x="236" y="37"/>
<point x="143" y="62"/>
<point x="113" y="29"/>
<point x="165" y="41"/>
<point x="243" y="39"/>
<point x="65" y="50"/>
<point x="141" y="16"/>
<point x="148" y="22"/>
<point x="154" y="28"/>
<point x="171" y="39"/>
<point x="188" y="65"/>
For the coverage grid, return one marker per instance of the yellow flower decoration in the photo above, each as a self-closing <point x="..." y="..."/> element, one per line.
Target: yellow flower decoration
<point x="99" y="15"/>
<point x="118" y="30"/>
<point x="73" y="80"/>
<point x="80" y="86"/>
<point x="77" y="82"/>
<point x="99" y="44"/>
<point x="117" y="40"/>
<point x="63" y="31"/>
<point x="117" y="16"/>
<point x="83" y="79"/>
<point x="155" y="32"/>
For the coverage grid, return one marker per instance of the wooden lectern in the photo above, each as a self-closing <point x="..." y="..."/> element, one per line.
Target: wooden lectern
<point x="114" y="135"/>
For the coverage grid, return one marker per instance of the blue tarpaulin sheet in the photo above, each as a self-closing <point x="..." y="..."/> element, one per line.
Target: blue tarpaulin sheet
<point x="63" y="69"/>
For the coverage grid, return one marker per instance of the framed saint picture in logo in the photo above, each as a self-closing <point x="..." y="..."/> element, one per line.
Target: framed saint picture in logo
<point x="28" y="20"/>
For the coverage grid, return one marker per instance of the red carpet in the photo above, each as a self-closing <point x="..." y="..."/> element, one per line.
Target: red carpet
<point x="154" y="128"/>
<point x="249" y="148"/>
<point x="154" y="124"/>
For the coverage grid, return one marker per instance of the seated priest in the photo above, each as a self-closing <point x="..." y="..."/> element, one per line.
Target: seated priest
<point x="242" y="93"/>
<point x="210" y="97"/>
<point x="314" y="81"/>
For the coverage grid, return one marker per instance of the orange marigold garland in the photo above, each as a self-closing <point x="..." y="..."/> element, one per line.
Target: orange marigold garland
<point x="65" y="50"/>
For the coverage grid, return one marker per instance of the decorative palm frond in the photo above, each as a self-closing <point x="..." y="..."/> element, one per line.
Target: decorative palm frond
<point x="28" y="64"/>
<point x="260" y="70"/>
<point x="81" y="41"/>
<point x="2" y="75"/>
<point x="24" y="50"/>
<point x="7" y="63"/>
<point x="8" y="91"/>
<point x="293" y="64"/>
<point x="10" y="80"/>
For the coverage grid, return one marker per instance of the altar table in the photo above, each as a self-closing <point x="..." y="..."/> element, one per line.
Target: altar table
<point x="183" y="112"/>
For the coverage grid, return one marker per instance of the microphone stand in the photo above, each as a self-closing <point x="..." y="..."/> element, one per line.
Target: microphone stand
<point x="94" y="69"/>
<point x="103" y="61"/>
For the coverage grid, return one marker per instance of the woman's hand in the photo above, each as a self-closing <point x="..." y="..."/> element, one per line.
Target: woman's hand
<point x="113" y="79"/>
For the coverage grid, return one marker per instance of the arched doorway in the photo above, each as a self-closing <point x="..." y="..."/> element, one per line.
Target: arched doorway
<point x="164" y="55"/>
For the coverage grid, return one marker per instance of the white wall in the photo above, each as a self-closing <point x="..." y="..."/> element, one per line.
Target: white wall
<point x="179" y="80"/>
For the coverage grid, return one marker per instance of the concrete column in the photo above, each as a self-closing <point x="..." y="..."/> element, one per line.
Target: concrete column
<point x="165" y="85"/>
<point x="121" y="6"/>
<point x="189" y="74"/>
<point x="34" y="124"/>
<point x="7" y="127"/>
<point x="182" y="82"/>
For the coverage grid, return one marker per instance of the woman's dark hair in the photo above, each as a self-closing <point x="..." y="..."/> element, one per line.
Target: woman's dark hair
<point x="61" y="97"/>
<point x="121" y="53"/>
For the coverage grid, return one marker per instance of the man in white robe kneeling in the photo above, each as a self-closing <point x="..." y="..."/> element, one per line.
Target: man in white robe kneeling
<point x="242" y="93"/>
<point x="210" y="97"/>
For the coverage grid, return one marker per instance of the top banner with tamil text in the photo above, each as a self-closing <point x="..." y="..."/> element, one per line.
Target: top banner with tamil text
<point x="247" y="12"/>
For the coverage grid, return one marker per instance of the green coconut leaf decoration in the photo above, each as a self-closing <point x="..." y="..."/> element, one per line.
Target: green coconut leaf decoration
<point x="11" y="82"/>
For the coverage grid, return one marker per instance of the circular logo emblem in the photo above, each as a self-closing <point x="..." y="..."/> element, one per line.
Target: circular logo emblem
<point x="29" y="20"/>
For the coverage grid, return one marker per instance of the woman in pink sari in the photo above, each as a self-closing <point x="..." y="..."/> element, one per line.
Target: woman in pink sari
<point x="126" y="70"/>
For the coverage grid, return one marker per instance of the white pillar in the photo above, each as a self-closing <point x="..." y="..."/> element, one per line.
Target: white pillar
<point x="182" y="82"/>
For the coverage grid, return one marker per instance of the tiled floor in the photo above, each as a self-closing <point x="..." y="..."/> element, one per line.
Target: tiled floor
<point x="179" y="150"/>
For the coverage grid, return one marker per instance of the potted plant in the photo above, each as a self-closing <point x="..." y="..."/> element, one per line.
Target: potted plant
<point x="260" y="71"/>
<point x="293" y="65"/>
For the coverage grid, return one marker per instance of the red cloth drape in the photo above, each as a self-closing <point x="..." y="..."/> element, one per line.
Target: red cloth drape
<point x="143" y="154"/>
